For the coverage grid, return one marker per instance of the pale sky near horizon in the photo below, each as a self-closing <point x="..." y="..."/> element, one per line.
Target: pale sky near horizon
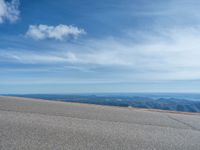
<point x="76" y="46"/>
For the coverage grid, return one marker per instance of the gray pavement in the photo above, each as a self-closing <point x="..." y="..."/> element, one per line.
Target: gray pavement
<point x="28" y="124"/>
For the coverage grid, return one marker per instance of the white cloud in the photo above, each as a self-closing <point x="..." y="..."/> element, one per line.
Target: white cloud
<point x="60" y="32"/>
<point x="170" y="55"/>
<point x="9" y="11"/>
<point x="25" y="57"/>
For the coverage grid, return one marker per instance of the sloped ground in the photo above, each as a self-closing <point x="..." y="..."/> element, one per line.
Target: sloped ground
<point x="36" y="124"/>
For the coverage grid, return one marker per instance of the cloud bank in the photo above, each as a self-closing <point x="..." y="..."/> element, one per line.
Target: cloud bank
<point x="9" y="11"/>
<point x="59" y="32"/>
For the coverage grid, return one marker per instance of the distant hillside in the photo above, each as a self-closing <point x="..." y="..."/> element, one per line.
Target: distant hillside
<point x="126" y="101"/>
<point x="168" y="104"/>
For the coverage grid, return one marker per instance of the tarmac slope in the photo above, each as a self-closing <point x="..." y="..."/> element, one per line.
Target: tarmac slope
<point x="30" y="124"/>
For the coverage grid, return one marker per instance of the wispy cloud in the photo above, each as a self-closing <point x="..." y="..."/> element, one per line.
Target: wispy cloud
<point x="59" y="32"/>
<point x="171" y="54"/>
<point x="9" y="11"/>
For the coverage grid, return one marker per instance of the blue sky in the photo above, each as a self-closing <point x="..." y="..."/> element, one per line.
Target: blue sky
<point x="68" y="46"/>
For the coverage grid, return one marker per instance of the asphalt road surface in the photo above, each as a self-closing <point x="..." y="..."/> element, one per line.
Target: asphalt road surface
<point x="28" y="124"/>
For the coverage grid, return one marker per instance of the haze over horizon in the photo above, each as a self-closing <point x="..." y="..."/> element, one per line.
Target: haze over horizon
<point x="77" y="46"/>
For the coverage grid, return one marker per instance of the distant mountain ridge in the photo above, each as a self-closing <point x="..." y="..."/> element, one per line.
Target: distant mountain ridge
<point x="173" y="104"/>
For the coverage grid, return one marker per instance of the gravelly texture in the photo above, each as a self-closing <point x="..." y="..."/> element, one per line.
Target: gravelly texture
<point x="39" y="125"/>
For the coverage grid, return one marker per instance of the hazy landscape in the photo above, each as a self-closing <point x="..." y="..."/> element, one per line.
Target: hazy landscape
<point x="99" y="74"/>
<point x="163" y="101"/>
<point x="34" y="124"/>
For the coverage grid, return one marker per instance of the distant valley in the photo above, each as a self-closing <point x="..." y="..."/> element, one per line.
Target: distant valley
<point x="163" y="103"/>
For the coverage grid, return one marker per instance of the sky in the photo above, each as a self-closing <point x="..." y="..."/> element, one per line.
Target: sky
<point x="76" y="46"/>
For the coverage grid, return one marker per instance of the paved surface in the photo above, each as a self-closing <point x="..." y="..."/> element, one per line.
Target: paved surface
<point x="27" y="124"/>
